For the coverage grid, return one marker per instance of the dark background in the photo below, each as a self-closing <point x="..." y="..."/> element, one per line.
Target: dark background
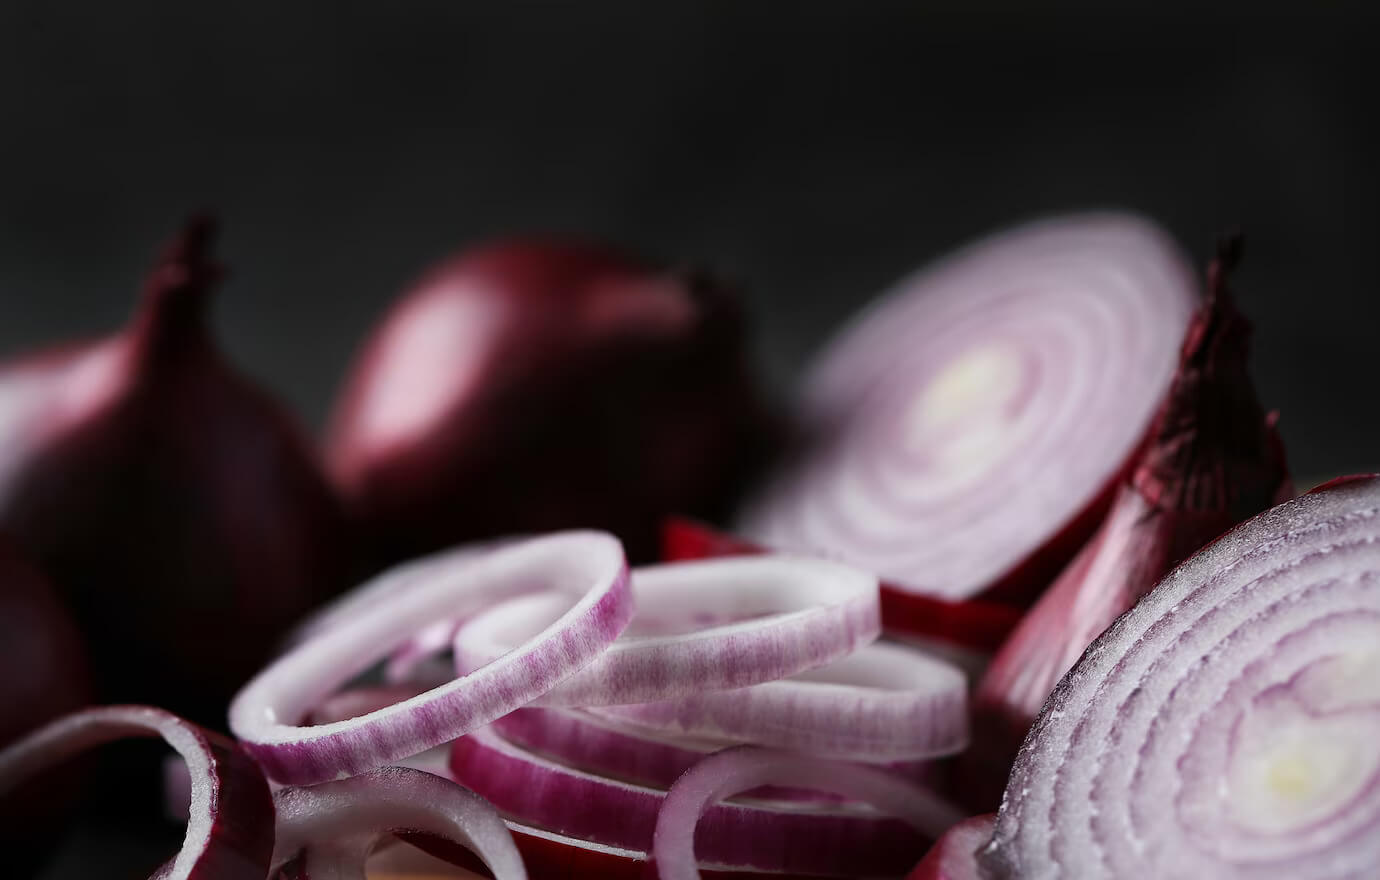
<point x="816" y="151"/>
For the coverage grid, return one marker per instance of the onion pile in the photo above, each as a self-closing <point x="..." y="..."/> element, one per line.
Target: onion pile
<point x="963" y="437"/>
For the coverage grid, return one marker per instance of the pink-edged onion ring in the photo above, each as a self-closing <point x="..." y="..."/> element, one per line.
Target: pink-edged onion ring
<point x="1226" y="726"/>
<point x="953" y="856"/>
<point x="884" y="702"/>
<point x="969" y="416"/>
<point x="745" y="767"/>
<point x="835" y="839"/>
<point x="604" y="746"/>
<point x="230" y="824"/>
<point x="587" y="566"/>
<point x="333" y="827"/>
<point x="700" y="626"/>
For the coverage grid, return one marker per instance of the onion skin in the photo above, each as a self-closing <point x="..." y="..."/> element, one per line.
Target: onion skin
<point x="175" y="503"/>
<point x="45" y="676"/>
<point x="976" y="624"/>
<point x="1213" y="459"/>
<point x="527" y="386"/>
<point x="952" y="856"/>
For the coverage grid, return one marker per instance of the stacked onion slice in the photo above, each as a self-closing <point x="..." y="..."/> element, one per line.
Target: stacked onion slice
<point x="961" y="435"/>
<point x="1227" y="726"/>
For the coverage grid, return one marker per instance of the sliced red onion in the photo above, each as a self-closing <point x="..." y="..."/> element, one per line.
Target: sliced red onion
<point x="1228" y="725"/>
<point x="983" y="405"/>
<point x="885" y="702"/>
<point x="953" y="856"/>
<point x="604" y="746"/>
<point x="726" y="773"/>
<point x="700" y="626"/>
<point x="837" y="839"/>
<point x="587" y="566"/>
<point x="973" y="628"/>
<point x="333" y="827"/>
<point x="230" y="824"/>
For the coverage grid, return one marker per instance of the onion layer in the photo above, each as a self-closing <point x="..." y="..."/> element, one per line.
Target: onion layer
<point x="953" y="856"/>
<point x="739" y="769"/>
<point x="587" y="566"/>
<point x="700" y="626"/>
<point x="1043" y="353"/>
<point x="835" y="840"/>
<point x="1228" y="725"/>
<point x="230" y="823"/>
<point x="884" y="702"/>
<point x="332" y="828"/>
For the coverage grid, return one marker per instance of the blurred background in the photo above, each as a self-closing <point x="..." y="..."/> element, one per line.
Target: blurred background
<point x="815" y="151"/>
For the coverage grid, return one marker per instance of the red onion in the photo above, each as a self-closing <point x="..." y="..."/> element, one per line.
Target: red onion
<point x="174" y="502"/>
<point x="588" y="567"/>
<point x="884" y="702"/>
<point x="826" y="839"/>
<point x="700" y="626"/>
<point x="1228" y="725"/>
<point x="525" y="386"/>
<point x="953" y="857"/>
<point x="741" y="768"/>
<point x="1214" y="459"/>
<point x="972" y="627"/>
<point x="331" y="829"/>
<point x="230" y="826"/>
<point x="963" y="434"/>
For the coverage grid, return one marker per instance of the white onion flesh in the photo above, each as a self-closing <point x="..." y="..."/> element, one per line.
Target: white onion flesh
<point x="976" y="409"/>
<point x="1227" y="726"/>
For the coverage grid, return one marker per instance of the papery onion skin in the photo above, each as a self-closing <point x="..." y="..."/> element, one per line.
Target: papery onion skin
<point x="230" y="833"/>
<point x="974" y="625"/>
<point x="177" y="506"/>
<point x="1136" y="765"/>
<point x="1213" y="459"/>
<point x="527" y="385"/>
<point x="953" y="856"/>
<point x="973" y="465"/>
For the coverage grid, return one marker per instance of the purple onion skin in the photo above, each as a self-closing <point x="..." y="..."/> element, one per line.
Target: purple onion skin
<point x="176" y="504"/>
<point x="45" y="675"/>
<point x="609" y="393"/>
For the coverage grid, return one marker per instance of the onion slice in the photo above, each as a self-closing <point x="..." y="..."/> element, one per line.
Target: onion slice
<point x="745" y="767"/>
<point x="333" y="827"/>
<point x="700" y="626"/>
<point x="230" y="824"/>
<point x="587" y="566"/>
<point x="953" y="856"/>
<point x="983" y="409"/>
<point x="607" y="747"/>
<point x="974" y="626"/>
<point x="840" y="839"/>
<point x="886" y="702"/>
<point x="1228" y="725"/>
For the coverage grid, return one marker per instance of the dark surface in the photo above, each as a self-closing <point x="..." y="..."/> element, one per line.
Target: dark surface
<point x="814" y="151"/>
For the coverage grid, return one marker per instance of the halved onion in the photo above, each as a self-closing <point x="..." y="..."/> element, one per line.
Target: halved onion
<point x="587" y="567"/>
<point x="963" y="433"/>
<point x="744" y="767"/>
<point x="700" y="626"/>
<point x="1228" y="725"/>
<point x="330" y="830"/>
<point x="230" y="823"/>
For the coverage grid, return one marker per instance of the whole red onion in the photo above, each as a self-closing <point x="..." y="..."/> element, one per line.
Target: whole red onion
<point x="174" y="502"/>
<point x="526" y="386"/>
